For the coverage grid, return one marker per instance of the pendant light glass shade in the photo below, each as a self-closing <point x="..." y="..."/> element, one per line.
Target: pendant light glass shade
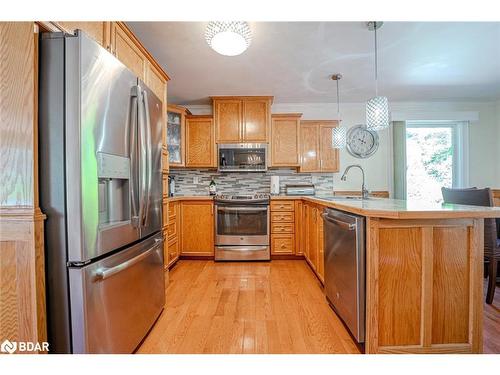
<point x="338" y="133"/>
<point x="377" y="108"/>
<point x="377" y="113"/>
<point x="339" y="137"/>
<point x="228" y="38"/>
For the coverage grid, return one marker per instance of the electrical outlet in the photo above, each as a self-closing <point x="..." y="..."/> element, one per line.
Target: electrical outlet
<point x="196" y="180"/>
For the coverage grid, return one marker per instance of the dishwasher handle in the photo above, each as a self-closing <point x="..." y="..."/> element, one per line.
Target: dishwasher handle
<point x="338" y="222"/>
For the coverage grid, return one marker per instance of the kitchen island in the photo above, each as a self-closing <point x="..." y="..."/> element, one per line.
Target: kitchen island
<point x="424" y="273"/>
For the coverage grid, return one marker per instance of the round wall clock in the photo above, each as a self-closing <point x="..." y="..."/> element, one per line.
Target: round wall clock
<point x="361" y="142"/>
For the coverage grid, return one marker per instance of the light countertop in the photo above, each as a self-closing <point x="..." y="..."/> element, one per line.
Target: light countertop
<point x="383" y="207"/>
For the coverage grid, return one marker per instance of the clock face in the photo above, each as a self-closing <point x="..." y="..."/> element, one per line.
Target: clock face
<point x="361" y="142"/>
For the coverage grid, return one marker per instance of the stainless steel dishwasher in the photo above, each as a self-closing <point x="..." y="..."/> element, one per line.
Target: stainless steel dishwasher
<point x="345" y="268"/>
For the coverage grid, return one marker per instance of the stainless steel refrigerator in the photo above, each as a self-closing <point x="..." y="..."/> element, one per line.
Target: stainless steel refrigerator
<point x="100" y="186"/>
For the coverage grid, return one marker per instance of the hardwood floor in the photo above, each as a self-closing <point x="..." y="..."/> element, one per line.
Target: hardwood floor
<point x="491" y="323"/>
<point x="275" y="307"/>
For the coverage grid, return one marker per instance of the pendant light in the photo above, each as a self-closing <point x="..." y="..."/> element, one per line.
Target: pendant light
<point x="228" y="38"/>
<point x="339" y="132"/>
<point x="377" y="108"/>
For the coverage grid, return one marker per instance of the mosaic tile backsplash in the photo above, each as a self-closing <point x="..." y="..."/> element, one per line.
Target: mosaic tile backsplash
<point x="246" y="183"/>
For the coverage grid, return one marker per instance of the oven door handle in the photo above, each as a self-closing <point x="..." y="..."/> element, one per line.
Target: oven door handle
<point x="242" y="209"/>
<point x="242" y="248"/>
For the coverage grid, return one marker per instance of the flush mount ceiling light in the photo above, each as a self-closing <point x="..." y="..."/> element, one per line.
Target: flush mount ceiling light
<point x="377" y="108"/>
<point x="339" y="132"/>
<point x="228" y="38"/>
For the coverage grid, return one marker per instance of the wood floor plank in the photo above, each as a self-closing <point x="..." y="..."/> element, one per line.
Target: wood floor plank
<point x="268" y="307"/>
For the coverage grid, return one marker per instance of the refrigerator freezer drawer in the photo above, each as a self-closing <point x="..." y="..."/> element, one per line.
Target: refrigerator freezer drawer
<point x="115" y="301"/>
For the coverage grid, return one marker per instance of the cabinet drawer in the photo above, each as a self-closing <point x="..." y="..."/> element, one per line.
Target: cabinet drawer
<point x="285" y="217"/>
<point x="165" y="214"/>
<point x="171" y="210"/>
<point x="165" y="186"/>
<point x="282" y="205"/>
<point x="282" y="244"/>
<point x="282" y="228"/>
<point x="173" y="252"/>
<point x="172" y="230"/>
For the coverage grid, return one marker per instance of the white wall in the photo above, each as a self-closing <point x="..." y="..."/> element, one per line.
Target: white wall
<point x="484" y="137"/>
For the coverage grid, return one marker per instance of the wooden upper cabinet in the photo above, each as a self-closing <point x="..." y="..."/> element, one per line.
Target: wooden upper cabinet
<point x="285" y="140"/>
<point x="126" y="50"/>
<point x="316" y="152"/>
<point x="309" y="147"/>
<point x="176" y="131"/>
<point x="99" y="31"/>
<point x="200" y="141"/>
<point x="156" y="82"/>
<point x="227" y="115"/>
<point x="256" y="120"/>
<point x="329" y="156"/>
<point x="242" y="118"/>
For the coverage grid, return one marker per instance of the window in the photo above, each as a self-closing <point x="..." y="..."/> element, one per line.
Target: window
<point x="432" y="154"/>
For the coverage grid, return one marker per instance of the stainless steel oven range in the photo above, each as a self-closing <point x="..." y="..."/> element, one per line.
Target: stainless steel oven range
<point x="242" y="227"/>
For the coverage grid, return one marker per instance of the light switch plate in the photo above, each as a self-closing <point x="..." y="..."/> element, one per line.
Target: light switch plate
<point x="196" y="180"/>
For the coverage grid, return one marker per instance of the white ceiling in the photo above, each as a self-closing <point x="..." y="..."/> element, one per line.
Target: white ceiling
<point x="294" y="61"/>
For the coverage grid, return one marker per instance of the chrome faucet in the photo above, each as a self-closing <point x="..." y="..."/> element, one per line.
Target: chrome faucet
<point x="364" y="191"/>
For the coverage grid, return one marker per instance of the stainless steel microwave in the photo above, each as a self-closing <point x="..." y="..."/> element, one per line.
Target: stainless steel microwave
<point x="242" y="157"/>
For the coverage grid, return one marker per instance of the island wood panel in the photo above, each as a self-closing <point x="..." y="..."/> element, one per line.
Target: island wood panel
<point x="400" y="269"/>
<point x="197" y="228"/>
<point x="285" y="140"/>
<point x="200" y="142"/>
<point x="97" y="30"/>
<point x="309" y="148"/>
<point x="450" y="297"/>
<point x="228" y="120"/>
<point x="256" y="120"/>
<point x="414" y="305"/>
<point x="22" y="270"/>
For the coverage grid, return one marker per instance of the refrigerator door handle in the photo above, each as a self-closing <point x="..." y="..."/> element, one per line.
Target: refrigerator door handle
<point x="134" y="216"/>
<point x="104" y="273"/>
<point x="148" y="156"/>
<point x="142" y="157"/>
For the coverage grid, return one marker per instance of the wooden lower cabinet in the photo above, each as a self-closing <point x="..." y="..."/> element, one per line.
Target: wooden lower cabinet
<point x="171" y="231"/>
<point x="283" y="233"/>
<point x="313" y="242"/>
<point x="197" y="228"/>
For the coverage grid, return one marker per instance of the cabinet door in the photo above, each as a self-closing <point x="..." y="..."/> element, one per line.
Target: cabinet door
<point x="313" y="237"/>
<point x="227" y="116"/>
<point x="299" y="228"/>
<point x="255" y="120"/>
<point x="309" y="148"/>
<point x="329" y="157"/>
<point x="175" y="139"/>
<point x="127" y="51"/>
<point x="321" y="260"/>
<point x="200" y="142"/>
<point x="305" y="229"/>
<point x="99" y="31"/>
<point x="197" y="228"/>
<point x="285" y="142"/>
<point x="156" y="82"/>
